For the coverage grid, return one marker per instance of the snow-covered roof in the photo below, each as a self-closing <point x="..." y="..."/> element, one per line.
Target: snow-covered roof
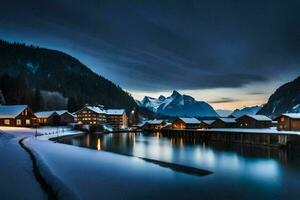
<point x="95" y="109"/>
<point x="45" y="114"/>
<point x="292" y="115"/>
<point x="258" y="117"/>
<point x="155" y="121"/>
<point x="115" y="111"/>
<point x="227" y="119"/>
<point x="60" y="112"/>
<point x="190" y="120"/>
<point x="11" y="111"/>
<point x="208" y="122"/>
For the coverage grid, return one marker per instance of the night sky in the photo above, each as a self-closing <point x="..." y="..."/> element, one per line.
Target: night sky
<point x="230" y="53"/>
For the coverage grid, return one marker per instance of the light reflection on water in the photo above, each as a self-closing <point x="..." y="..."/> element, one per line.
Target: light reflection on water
<point x="249" y="165"/>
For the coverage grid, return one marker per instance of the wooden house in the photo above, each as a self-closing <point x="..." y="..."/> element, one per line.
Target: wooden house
<point x="48" y="118"/>
<point x="206" y="124"/>
<point x="117" y="118"/>
<point x="65" y="117"/>
<point x="186" y="123"/>
<point x="16" y="115"/>
<point x="224" y="123"/>
<point x="289" y="122"/>
<point x="91" y="115"/>
<point x="154" y="124"/>
<point x="253" y="121"/>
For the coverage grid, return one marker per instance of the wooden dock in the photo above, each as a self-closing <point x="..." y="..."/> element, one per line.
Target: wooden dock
<point x="253" y="138"/>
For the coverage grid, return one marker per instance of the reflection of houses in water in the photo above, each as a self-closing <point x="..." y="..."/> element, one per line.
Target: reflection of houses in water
<point x="98" y="144"/>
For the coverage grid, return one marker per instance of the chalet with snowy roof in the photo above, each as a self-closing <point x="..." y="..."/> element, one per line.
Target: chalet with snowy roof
<point x="16" y="115"/>
<point x="117" y="118"/>
<point x="65" y="117"/>
<point x="223" y="122"/>
<point x="289" y="122"/>
<point x="91" y="115"/>
<point x="253" y="121"/>
<point x="155" y="124"/>
<point x="48" y="118"/>
<point x="186" y="123"/>
<point x="206" y="124"/>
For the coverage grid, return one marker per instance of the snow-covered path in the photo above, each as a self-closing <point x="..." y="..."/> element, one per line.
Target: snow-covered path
<point x="16" y="177"/>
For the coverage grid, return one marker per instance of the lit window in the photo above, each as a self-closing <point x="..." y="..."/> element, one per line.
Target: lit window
<point x="27" y="121"/>
<point x="18" y="122"/>
<point x="282" y="119"/>
<point x="6" y="121"/>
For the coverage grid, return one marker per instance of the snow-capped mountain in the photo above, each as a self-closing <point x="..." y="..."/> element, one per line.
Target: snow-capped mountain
<point x="178" y="105"/>
<point x="252" y="110"/>
<point x="286" y="99"/>
<point x="223" y="112"/>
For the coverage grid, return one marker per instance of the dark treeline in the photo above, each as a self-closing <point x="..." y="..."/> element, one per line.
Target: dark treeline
<point x="27" y="71"/>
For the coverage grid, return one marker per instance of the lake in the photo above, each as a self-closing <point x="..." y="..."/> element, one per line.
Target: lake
<point x="238" y="171"/>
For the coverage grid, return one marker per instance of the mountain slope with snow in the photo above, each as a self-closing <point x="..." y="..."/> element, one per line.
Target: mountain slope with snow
<point x="285" y="99"/>
<point x="178" y="105"/>
<point x="252" y="110"/>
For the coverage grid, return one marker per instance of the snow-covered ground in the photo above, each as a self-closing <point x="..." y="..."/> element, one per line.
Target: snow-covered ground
<point x="16" y="177"/>
<point x="92" y="174"/>
<point x="82" y="173"/>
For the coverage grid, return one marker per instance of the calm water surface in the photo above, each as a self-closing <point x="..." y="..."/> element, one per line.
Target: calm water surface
<point x="239" y="171"/>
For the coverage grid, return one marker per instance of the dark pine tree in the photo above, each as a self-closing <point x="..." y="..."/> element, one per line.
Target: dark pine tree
<point x="37" y="100"/>
<point x="72" y="104"/>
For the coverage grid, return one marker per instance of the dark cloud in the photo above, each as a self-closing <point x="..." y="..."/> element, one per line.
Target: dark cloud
<point x="256" y="93"/>
<point x="224" y="100"/>
<point x="165" y="45"/>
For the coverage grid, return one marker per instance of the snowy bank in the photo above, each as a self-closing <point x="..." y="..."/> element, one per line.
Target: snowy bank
<point x="92" y="174"/>
<point x="17" y="180"/>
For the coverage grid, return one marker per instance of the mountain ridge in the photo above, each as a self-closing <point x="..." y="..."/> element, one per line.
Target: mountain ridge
<point x="177" y="105"/>
<point x="285" y="99"/>
<point x="55" y="71"/>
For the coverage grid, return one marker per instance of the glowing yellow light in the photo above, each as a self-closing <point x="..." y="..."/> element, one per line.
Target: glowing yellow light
<point x="98" y="144"/>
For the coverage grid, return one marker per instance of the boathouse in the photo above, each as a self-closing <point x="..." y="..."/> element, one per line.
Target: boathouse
<point x="223" y="122"/>
<point x="117" y="118"/>
<point x="48" y="118"/>
<point x="206" y="124"/>
<point x="16" y="115"/>
<point x="91" y="115"/>
<point x="289" y="122"/>
<point x="154" y="124"/>
<point x="253" y="121"/>
<point x="186" y="123"/>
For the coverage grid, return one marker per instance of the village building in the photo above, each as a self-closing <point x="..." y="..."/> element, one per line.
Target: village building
<point x="289" y="122"/>
<point x="154" y="124"/>
<point x="186" y="123"/>
<point x="223" y="122"/>
<point x="91" y="115"/>
<point x="253" y="121"/>
<point x="48" y="118"/>
<point x="16" y="115"/>
<point x="117" y="118"/>
<point x="65" y="117"/>
<point x="206" y="124"/>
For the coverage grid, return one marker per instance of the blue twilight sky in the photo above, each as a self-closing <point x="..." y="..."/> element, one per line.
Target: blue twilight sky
<point x="229" y="53"/>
